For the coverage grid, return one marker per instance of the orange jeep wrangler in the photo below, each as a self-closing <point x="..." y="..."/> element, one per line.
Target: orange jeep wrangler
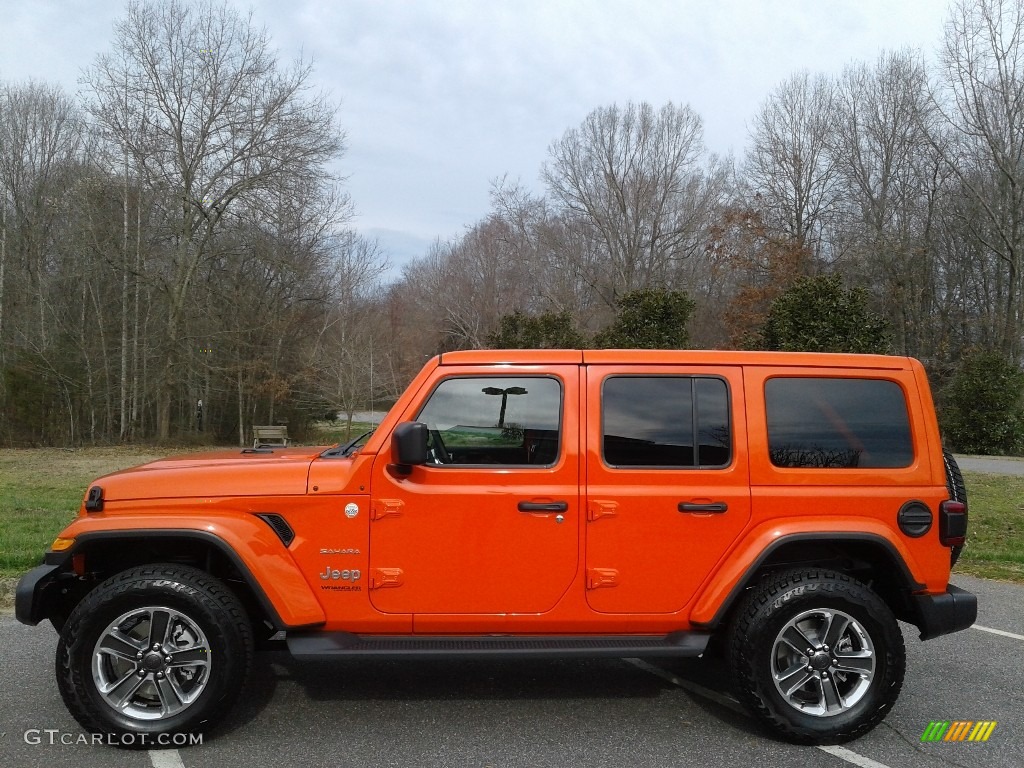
<point x="785" y="508"/>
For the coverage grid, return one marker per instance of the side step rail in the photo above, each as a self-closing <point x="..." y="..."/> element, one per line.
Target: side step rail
<point x="341" y="645"/>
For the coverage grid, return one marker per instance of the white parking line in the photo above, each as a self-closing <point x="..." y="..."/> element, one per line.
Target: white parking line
<point x="842" y="753"/>
<point x="165" y="758"/>
<point x="852" y="757"/>
<point x="1001" y="632"/>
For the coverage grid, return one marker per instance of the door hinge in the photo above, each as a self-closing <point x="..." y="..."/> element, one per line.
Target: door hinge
<point x="385" y="577"/>
<point x="598" y="509"/>
<point x="386" y="507"/>
<point x="602" y="577"/>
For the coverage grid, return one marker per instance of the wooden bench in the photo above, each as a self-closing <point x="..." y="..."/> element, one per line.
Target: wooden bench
<point x="269" y="435"/>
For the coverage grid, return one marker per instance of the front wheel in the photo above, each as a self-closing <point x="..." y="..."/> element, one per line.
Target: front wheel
<point x="157" y="649"/>
<point x="817" y="656"/>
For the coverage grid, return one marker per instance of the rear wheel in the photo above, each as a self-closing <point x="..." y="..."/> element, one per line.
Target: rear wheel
<point x="816" y="655"/>
<point x="155" y="649"/>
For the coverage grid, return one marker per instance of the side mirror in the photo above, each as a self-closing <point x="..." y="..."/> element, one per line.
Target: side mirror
<point x="409" y="445"/>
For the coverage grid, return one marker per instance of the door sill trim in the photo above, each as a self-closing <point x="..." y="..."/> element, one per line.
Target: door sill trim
<point x="338" y="645"/>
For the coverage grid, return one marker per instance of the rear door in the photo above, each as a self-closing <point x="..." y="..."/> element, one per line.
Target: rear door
<point x="667" y="489"/>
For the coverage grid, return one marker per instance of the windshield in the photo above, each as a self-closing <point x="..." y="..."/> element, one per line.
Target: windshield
<point x="349" y="448"/>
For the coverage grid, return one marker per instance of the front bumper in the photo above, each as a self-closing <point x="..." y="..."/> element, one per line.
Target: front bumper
<point x="939" y="615"/>
<point x="36" y="592"/>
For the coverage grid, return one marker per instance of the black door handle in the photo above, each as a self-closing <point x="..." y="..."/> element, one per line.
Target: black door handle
<point x="718" y="506"/>
<point x="543" y="506"/>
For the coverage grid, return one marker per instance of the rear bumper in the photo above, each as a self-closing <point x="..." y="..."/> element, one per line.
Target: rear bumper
<point x="939" y="615"/>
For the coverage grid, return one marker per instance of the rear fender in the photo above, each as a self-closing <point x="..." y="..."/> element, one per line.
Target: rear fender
<point x="742" y="566"/>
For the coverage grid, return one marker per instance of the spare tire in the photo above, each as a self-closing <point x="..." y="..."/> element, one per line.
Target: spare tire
<point x="957" y="492"/>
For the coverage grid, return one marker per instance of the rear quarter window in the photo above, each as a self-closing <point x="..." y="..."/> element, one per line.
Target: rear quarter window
<point x="834" y="423"/>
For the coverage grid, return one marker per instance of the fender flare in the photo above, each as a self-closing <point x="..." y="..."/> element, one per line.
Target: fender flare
<point x="309" y="617"/>
<point x="750" y="573"/>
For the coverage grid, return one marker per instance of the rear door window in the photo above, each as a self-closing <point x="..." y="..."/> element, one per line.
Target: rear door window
<point x="665" y="421"/>
<point x="830" y="423"/>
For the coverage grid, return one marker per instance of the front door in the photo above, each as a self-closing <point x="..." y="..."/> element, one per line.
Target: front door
<point x="668" y="485"/>
<point x="491" y="524"/>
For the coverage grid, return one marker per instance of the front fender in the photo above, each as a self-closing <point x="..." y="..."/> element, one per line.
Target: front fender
<point x="248" y="543"/>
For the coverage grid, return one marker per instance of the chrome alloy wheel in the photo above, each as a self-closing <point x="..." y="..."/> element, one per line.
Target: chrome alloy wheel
<point x="823" y="662"/>
<point x="151" y="663"/>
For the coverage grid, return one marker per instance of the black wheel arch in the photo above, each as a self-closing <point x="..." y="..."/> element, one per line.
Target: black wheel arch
<point x="108" y="552"/>
<point x="867" y="557"/>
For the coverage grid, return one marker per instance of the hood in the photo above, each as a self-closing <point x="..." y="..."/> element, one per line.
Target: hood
<point x="206" y="475"/>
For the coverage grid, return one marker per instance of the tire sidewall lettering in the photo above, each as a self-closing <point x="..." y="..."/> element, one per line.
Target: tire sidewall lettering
<point x="758" y="624"/>
<point x="207" y="603"/>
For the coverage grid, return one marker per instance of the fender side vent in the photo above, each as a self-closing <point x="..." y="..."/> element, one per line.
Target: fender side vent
<point x="280" y="525"/>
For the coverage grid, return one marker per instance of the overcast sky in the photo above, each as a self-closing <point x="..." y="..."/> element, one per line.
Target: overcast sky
<point x="440" y="97"/>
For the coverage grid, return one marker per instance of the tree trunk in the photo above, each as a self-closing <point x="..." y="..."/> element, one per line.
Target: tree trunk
<point x="3" y="265"/>
<point x="123" y="428"/>
<point x="88" y="369"/>
<point x="108" y="407"/>
<point x="134" y="418"/>
<point x="241" y="411"/>
<point x="167" y="376"/>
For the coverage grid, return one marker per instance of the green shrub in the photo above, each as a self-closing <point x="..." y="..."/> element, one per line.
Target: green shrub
<point x="818" y="315"/>
<point x="983" y="405"/>
<point x="549" y="330"/>
<point x="648" y="319"/>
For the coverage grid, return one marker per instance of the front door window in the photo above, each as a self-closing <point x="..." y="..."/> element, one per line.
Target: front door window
<point x="507" y="421"/>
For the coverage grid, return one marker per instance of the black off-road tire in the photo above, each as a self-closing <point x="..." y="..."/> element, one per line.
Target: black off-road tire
<point x="202" y="600"/>
<point x="957" y="492"/>
<point x="756" y="627"/>
<point x="954" y="478"/>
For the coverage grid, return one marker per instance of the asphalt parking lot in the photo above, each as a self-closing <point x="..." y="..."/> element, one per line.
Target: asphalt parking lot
<point x="567" y="713"/>
<point x="993" y="465"/>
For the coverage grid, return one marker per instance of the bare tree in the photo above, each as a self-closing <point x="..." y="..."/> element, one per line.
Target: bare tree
<point x="982" y="101"/>
<point x="198" y="99"/>
<point x="40" y="141"/>
<point x="351" y="355"/>
<point x="886" y="175"/>
<point x="789" y="170"/>
<point x="633" y="174"/>
<point x="462" y="287"/>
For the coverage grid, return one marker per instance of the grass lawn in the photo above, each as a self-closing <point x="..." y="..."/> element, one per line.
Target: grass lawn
<point x="331" y="432"/>
<point x="41" y="489"/>
<point x="995" y="532"/>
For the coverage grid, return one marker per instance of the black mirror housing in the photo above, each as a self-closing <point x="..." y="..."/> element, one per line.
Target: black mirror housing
<point x="409" y="444"/>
